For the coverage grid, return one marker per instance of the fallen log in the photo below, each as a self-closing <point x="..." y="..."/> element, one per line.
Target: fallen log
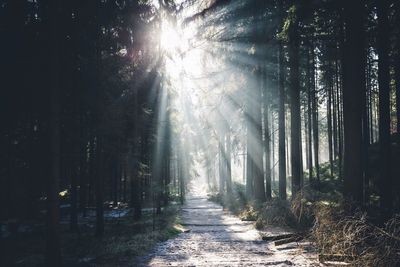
<point x="276" y="237"/>
<point x="335" y="257"/>
<point x="294" y="238"/>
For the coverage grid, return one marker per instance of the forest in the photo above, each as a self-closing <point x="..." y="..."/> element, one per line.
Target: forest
<point x="199" y="133"/>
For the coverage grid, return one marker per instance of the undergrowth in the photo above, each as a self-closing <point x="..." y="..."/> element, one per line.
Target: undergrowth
<point x="127" y="238"/>
<point x="321" y="216"/>
<point x="355" y="238"/>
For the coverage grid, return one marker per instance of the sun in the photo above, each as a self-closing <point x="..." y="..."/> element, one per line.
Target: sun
<point x="172" y="38"/>
<point x="181" y="57"/>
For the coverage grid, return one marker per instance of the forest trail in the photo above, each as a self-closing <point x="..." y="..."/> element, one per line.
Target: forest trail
<point x="217" y="238"/>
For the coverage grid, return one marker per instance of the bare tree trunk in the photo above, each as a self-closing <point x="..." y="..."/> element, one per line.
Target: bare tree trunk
<point x="53" y="250"/>
<point x="221" y="164"/>
<point x="281" y="117"/>
<point x="267" y="140"/>
<point x="354" y="88"/>
<point x="309" y="116"/>
<point x="99" y="188"/>
<point x="273" y="138"/>
<point x="256" y="144"/>
<point x="397" y="67"/>
<point x="384" y="110"/>
<point x="334" y="121"/>
<point x="315" y="122"/>
<point x="249" y="163"/>
<point x="228" y="164"/>
<point x="329" y="118"/>
<point x="366" y="138"/>
<point x="295" y="118"/>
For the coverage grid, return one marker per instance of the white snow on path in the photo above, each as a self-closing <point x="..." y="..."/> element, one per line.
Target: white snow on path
<point x="219" y="239"/>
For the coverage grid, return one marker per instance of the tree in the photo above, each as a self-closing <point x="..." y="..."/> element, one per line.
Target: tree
<point x="281" y="114"/>
<point x="397" y="66"/>
<point x="353" y="90"/>
<point x="384" y="110"/>
<point x="53" y="250"/>
<point x="295" y="117"/>
<point x="255" y="173"/>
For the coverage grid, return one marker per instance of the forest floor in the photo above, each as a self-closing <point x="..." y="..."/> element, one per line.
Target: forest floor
<point x="124" y="239"/>
<point x="217" y="238"/>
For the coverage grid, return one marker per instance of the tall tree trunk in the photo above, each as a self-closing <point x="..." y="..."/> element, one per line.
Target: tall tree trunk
<point x="249" y="160"/>
<point x="267" y="139"/>
<point x="329" y="118"/>
<point x="314" y="107"/>
<point x="134" y="159"/>
<point x="182" y="172"/>
<point x="228" y="163"/>
<point x="334" y="115"/>
<point x="74" y="194"/>
<point x="273" y="138"/>
<point x="281" y="125"/>
<point x="53" y="253"/>
<point x="124" y="178"/>
<point x="75" y="172"/>
<point x="295" y="118"/>
<point x="366" y="138"/>
<point x="306" y="142"/>
<point x="369" y="99"/>
<point x="83" y="171"/>
<point x="53" y="250"/>
<point x="341" y="55"/>
<point x="354" y="88"/>
<point x="309" y="116"/>
<point x="256" y="145"/>
<point x="244" y="164"/>
<point x="384" y="110"/>
<point x="397" y="66"/>
<point x="221" y="164"/>
<point x="99" y="187"/>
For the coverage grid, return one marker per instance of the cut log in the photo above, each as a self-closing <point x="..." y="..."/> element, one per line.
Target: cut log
<point x="294" y="238"/>
<point x="277" y="237"/>
<point x="335" y="257"/>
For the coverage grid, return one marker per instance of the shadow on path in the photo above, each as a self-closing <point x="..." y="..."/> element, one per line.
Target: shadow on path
<point x="217" y="238"/>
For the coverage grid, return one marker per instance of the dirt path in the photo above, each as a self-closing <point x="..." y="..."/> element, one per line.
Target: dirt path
<point x="217" y="238"/>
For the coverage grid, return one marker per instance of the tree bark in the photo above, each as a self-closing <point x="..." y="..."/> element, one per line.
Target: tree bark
<point x="221" y="164"/>
<point x="397" y="66"/>
<point x="295" y="118"/>
<point x="267" y="139"/>
<point x="281" y="114"/>
<point x="386" y="193"/>
<point x="315" y="122"/>
<point x="228" y="164"/>
<point x="354" y="88"/>
<point x="53" y="250"/>
<point x="99" y="188"/>
<point x="309" y="116"/>
<point x="282" y="127"/>
<point x="329" y="118"/>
